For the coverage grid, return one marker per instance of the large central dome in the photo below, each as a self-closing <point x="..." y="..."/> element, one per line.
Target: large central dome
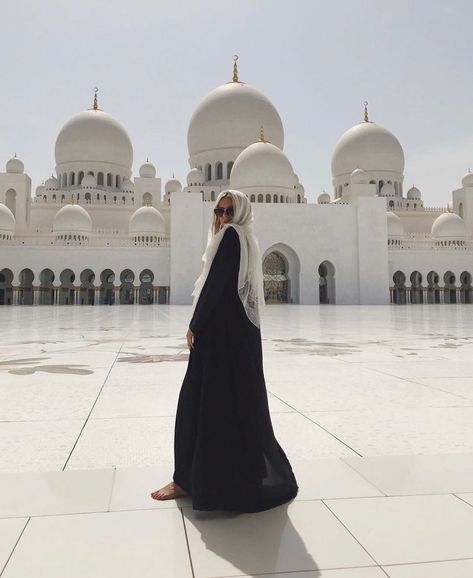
<point x="94" y="136"/>
<point x="230" y="117"/>
<point x="367" y="146"/>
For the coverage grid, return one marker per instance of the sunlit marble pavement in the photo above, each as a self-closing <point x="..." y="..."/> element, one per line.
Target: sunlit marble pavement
<point x="373" y="406"/>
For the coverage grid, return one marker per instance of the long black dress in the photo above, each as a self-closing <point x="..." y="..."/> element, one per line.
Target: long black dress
<point x="226" y="454"/>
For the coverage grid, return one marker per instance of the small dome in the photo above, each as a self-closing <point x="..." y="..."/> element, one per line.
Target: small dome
<point x="413" y="194"/>
<point x="262" y="164"/>
<point x="94" y="136"/>
<point x="323" y="198"/>
<point x="128" y="185"/>
<point x="72" y="218"/>
<point x="146" y="220"/>
<point x="173" y="186"/>
<point x="195" y="177"/>
<point x="89" y="182"/>
<point x="230" y="117"/>
<point x="51" y="184"/>
<point x="370" y="146"/>
<point x="467" y="180"/>
<point x="395" y="226"/>
<point x="359" y="177"/>
<point x="40" y="190"/>
<point x="387" y="190"/>
<point x="449" y="225"/>
<point x="14" y="165"/>
<point x="148" y="171"/>
<point x="7" y="220"/>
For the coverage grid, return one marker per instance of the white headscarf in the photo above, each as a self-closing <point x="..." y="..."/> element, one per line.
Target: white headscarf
<point x="250" y="275"/>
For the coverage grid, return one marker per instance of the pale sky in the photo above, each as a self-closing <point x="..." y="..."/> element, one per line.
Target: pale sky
<point x="317" y="61"/>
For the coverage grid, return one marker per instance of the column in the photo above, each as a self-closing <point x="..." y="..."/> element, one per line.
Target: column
<point x="36" y="291"/>
<point x="117" y="295"/>
<point x="97" y="295"/>
<point x="15" y="295"/>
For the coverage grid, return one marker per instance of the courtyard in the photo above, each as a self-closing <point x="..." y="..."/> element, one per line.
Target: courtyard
<point x="373" y="406"/>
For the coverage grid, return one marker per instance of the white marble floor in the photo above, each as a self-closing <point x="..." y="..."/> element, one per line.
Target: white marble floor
<point x="373" y="406"/>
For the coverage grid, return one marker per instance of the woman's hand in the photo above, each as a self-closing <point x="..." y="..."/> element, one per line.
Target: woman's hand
<point x="190" y="339"/>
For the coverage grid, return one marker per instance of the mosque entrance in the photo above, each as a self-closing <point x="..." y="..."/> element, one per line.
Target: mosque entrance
<point x="146" y="293"/>
<point x="433" y="289"/>
<point x="417" y="295"/>
<point x="87" y="287"/>
<point x="107" y="293"/>
<point x="275" y="278"/>
<point x="398" y="294"/>
<point x="465" y="289"/>
<point x="127" y="278"/>
<point x="6" y="291"/>
<point x="25" y="296"/>
<point x="450" y="291"/>
<point x="326" y="283"/>
<point x="46" y="290"/>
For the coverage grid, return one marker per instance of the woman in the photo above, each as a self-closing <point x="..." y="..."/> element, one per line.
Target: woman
<point x="226" y="455"/>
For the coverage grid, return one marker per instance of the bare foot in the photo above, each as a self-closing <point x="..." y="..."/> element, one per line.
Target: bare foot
<point x="169" y="492"/>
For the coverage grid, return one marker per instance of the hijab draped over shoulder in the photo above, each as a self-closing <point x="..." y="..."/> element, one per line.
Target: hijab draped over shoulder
<point x="250" y="275"/>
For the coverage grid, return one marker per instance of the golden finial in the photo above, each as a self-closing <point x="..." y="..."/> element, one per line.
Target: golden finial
<point x="235" y="68"/>
<point x="366" y="110"/>
<point x="96" y="106"/>
<point x="261" y="134"/>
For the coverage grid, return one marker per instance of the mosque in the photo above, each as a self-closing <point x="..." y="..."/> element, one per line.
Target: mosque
<point x="95" y="233"/>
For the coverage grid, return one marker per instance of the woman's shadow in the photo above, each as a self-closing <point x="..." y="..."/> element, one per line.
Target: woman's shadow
<point x="260" y="543"/>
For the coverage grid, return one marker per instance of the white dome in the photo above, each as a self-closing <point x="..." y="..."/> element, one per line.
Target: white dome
<point x="359" y="177"/>
<point x="467" y="180"/>
<point x="14" y="165"/>
<point x="395" y="226"/>
<point x="147" y="220"/>
<point x="94" y="135"/>
<point x="230" y="117"/>
<point x="173" y="186"/>
<point x="89" y="182"/>
<point x="323" y="198"/>
<point x="370" y="146"/>
<point x="413" y="194"/>
<point x="7" y="220"/>
<point x="72" y="218"/>
<point x="148" y="171"/>
<point x="195" y="177"/>
<point x="40" y="190"/>
<point x="262" y="164"/>
<point x="51" y="184"/>
<point x="387" y="190"/>
<point x="448" y="225"/>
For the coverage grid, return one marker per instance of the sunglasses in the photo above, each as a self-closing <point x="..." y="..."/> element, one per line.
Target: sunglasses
<point x="220" y="211"/>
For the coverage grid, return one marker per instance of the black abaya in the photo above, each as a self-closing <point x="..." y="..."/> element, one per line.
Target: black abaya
<point x="226" y="454"/>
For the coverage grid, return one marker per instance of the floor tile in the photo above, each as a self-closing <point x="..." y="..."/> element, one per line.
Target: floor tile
<point x="10" y="531"/>
<point x="300" y="536"/>
<point x="453" y="569"/>
<point x="46" y="401"/>
<point x="409" y="529"/>
<point x="132" y="488"/>
<point x="49" y="493"/>
<point x="330" y="478"/>
<point x="37" y="445"/>
<point x="122" y="442"/>
<point x="428" y="474"/>
<point x="301" y="439"/>
<point x="114" y="544"/>
<point x="403" y="431"/>
<point x="372" y="572"/>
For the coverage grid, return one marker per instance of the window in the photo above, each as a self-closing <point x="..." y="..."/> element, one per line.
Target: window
<point x="208" y="173"/>
<point x="229" y="169"/>
<point x="219" y="171"/>
<point x="100" y="179"/>
<point x="109" y="179"/>
<point x="81" y="176"/>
